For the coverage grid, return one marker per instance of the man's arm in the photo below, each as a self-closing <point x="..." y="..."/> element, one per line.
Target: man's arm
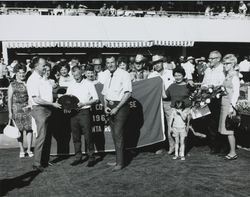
<point x="40" y="101"/>
<point x="124" y="99"/>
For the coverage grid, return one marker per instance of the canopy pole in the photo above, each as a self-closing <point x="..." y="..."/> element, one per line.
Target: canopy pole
<point x="5" y="53"/>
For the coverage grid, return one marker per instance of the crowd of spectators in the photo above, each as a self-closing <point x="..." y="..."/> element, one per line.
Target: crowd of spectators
<point x="168" y="9"/>
<point x="194" y="68"/>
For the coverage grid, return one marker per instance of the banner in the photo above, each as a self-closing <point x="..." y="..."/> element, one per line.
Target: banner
<point x="145" y="124"/>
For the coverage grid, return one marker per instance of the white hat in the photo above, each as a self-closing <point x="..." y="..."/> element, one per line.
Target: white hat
<point x="157" y="58"/>
<point x="190" y="58"/>
<point x="139" y="58"/>
<point x="96" y="61"/>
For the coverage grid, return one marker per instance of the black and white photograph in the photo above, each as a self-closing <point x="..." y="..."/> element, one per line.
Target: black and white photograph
<point x="125" y="98"/>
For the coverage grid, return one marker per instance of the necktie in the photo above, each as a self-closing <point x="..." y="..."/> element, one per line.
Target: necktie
<point x="111" y="76"/>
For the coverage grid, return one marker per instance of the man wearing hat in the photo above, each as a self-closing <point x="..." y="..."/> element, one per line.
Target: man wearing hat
<point x="168" y="79"/>
<point x="100" y="74"/>
<point x="117" y="90"/>
<point x="189" y="67"/>
<point x="139" y="72"/>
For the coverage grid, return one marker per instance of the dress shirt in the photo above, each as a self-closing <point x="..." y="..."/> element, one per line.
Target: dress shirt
<point x="189" y="69"/>
<point x="3" y="70"/>
<point x="244" y="66"/>
<point x="167" y="77"/>
<point x="65" y="81"/>
<point x="46" y="90"/>
<point x="214" y="76"/>
<point x="36" y="87"/>
<point x="115" y="86"/>
<point x="85" y="91"/>
<point x="101" y="76"/>
<point x="139" y="75"/>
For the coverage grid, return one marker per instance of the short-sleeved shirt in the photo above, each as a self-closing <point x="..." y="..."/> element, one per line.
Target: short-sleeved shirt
<point x="214" y="76"/>
<point x="116" y="85"/>
<point x="85" y="91"/>
<point x="36" y="88"/>
<point x="177" y="92"/>
<point x="167" y="77"/>
<point x="139" y="75"/>
<point x="65" y="81"/>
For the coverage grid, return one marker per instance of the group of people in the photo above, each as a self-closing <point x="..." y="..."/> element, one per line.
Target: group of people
<point x="34" y="96"/>
<point x="110" y="10"/>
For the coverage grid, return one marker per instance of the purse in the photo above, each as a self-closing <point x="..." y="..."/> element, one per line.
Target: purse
<point x="12" y="131"/>
<point x="233" y="123"/>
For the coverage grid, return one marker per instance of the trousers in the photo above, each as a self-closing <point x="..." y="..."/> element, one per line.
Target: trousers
<point x="41" y="115"/>
<point x="80" y="123"/>
<point x="117" y="125"/>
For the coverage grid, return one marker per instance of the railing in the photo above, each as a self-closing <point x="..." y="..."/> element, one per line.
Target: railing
<point x="119" y="13"/>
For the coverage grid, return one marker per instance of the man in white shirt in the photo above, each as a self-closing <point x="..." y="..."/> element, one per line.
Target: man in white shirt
<point x="214" y="76"/>
<point x="85" y="91"/>
<point x="168" y="79"/>
<point x="117" y="90"/>
<point x="100" y="74"/>
<point x="41" y="101"/>
<point x="4" y="82"/>
<point x="189" y="67"/>
<point x="244" y="65"/>
<point x="244" y="68"/>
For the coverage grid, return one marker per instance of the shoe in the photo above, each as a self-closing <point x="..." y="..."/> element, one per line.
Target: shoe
<point x="183" y="158"/>
<point x="38" y="168"/>
<point x="175" y="157"/>
<point x="228" y="157"/>
<point x="117" y="168"/>
<point x="91" y="162"/>
<point x="111" y="163"/>
<point x="30" y="154"/>
<point x="51" y="163"/>
<point x="159" y="152"/>
<point x="76" y="162"/>
<point x="21" y="154"/>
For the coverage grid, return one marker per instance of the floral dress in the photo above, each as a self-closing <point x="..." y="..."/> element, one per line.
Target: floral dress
<point x="19" y="101"/>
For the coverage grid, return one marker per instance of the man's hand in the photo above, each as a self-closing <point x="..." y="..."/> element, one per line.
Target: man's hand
<point x="114" y="111"/>
<point x="231" y="114"/>
<point x="56" y="105"/>
<point x="80" y="105"/>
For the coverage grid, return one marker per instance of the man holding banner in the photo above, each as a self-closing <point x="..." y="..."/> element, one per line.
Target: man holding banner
<point x="117" y="91"/>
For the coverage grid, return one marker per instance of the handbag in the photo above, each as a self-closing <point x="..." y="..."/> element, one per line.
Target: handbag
<point x="233" y="123"/>
<point x="12" y="131"/>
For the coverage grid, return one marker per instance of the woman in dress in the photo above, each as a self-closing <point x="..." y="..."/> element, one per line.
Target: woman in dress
<point x="19" y="110"/>
<point x="232" y="85"/>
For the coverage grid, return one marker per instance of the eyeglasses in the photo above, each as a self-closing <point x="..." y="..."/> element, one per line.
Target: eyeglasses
<point x="227" y="63"/>
<point x="138" y="62"/>
<point x="212" y="58"/>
